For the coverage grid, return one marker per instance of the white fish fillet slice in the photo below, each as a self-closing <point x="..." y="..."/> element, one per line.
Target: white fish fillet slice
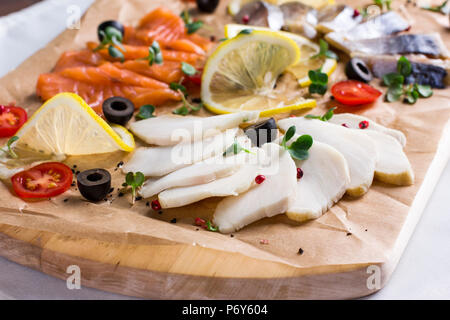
<point x="353" y="120"/>
<point x="159" y="161"/>
<point x="271" y="197"/>
<point x="343" y="21"/>
<point x="380" y="26"/>
<point x="232" y="185"/>
<point x="325" y="179"/>
<point x="168" y="130"/>
<point x="393" y="166"/>
<point x="199" y="173"/>
<point x="357" y="148"/>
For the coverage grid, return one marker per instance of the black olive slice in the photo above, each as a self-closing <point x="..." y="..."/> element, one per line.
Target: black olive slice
<point x="110" y="23"/>
<point x="94" y="184"/>
<point x="356" y="69"/>
<point x="207" y="5"/>
<point x="262" y="132"/>
<point x="118" y="110"/>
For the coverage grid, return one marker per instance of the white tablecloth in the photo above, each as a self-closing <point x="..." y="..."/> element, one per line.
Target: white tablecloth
<point x="423" y="271"/>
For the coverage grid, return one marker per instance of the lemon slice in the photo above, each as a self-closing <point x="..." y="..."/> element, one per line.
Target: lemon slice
<point x="235" y="5"/>
<point x="307" y="47"/>
<point x="242" y="73"/>
<point x="300" y="70"/>
<point x="66" y="125"/>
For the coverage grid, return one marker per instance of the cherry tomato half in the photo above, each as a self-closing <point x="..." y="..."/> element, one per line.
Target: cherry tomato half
<point x="352" y="92"/>
<point x="43" y="181"/>
<point x="195" y="79"/>
<point x="11" y="119"/>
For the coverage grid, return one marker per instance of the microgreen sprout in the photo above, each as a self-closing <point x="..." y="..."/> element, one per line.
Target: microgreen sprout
<point x="112" y="38"/>
<point x="299" y="148"/>
<point x="135" y="181"/>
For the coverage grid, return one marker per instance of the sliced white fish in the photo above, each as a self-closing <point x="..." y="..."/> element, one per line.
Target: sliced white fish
<point x="357" y="148"/>
<point x="261" y="14"/>
<point x="232" y="185"/>
<point x="325" y="179"/>
<point x="271" y="197"/>
<point x="199" y="173"/>
<point x="159" y="161"/>
<point x="392" y="166"/>
<point x="337" y="18"/>
<point x="383" y="25"/>
<point x="426" y="44"/>
<point x="352" y="121"/>
<point x="168" y="130"/>
<point x="299" y="18"/>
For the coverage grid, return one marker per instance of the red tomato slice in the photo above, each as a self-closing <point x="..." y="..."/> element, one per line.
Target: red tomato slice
<point x="11" y="119"/>
<point x="352" y="92"/>
<point x="195" y="79"/>
<point x="43" y="181"/>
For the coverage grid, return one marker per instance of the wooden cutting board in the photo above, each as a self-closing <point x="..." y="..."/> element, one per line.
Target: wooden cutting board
<point x="136" y="252"/>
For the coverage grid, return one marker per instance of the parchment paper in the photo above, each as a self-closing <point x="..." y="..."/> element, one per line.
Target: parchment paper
<point x="359" y="230"/>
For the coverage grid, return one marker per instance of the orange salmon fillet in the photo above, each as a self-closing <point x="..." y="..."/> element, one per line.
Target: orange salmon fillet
<point x="96" y="76"/>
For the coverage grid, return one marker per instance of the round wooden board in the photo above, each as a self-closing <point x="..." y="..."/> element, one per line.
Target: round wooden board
<point x="180" y="272"/>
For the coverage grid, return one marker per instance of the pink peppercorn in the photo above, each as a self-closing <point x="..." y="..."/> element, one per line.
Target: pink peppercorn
<point x="344" y="125"/>
<point x="364" y="124"/>
<point x="156" y="205"/>
<point x="299" y="173"/>
<point x="260" y="179"/>
<point x="245" y="19"/>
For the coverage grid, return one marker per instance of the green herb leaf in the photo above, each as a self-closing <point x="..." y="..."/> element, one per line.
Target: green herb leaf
<point x="424" y="91"/>
<point x="194" y="26"/>
<point x="391" y="79"/>
<point x="182" y="111"/>
<point x="299" y="148"/>
<point x="319" y="82"/>
<point x="115" y="53"/>
<point x="210" y="227"/>
<point x="327" y="115"/>
<point x="245" y="31"/>
<point x="112" y="32"/>
<point x="383" y="3"/>
<point x="235" y="148"/>
<point x="176" y="86"/>
<point x="288" y="135"/>
<point x="145" y="112"/>
<point x="394" y="93"/>
<point x="324" y="52"/>
<point x="188" y="69"/>
<point x="404" y="66"/>
<point x="135" y="181"/>
<point x="9" y="151"/>
<point x="222" y="39"/>
<point x="440" y="8"/>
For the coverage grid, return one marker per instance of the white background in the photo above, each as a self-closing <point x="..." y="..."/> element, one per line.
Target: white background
<point x="423" y="271"/>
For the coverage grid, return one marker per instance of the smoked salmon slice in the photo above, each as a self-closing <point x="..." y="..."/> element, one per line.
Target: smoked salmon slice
<point x="96" y="76"/>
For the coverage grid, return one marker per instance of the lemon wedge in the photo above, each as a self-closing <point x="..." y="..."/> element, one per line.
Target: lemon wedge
<point x="243" y="71"/>
<point x="235" y="5"/>
<point x="66" y="125"/>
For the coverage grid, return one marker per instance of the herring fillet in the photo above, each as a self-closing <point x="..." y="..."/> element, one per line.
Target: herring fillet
<point x="232" y="185"/>
<point x="353" y="120"/>
<point x="358" y="149"/>
<point x="383" y="25"/>
<point x="168" y="130"/>
<point x="426" y="44"/>
<point x="273" y="196"/>
<point x="342" y="20"/>
<point x="199" y="173"/>
<point x="325" y="179"/>
<point x="159" y="161"/>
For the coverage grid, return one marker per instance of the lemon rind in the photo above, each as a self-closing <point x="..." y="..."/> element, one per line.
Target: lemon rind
<point x="86" y="108"/>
